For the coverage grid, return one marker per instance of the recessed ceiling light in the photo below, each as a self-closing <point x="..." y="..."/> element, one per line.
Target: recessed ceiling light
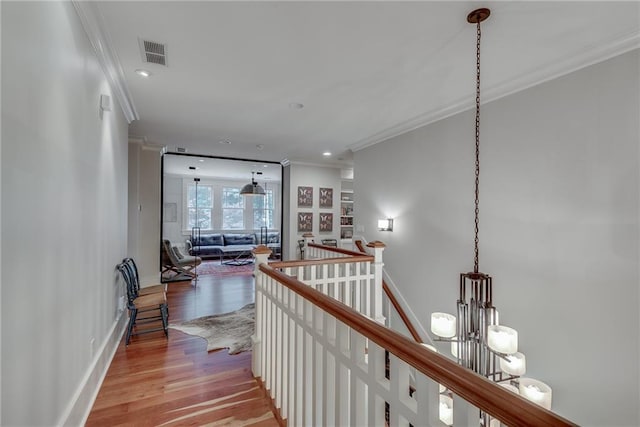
<point x="224" y="141"/>
<point x="143" y="73"/>
<point x="296" y="105"/>
<point x="326" y="153"/>
<point x="265" y="166"/>
<point x="201" y="160"/>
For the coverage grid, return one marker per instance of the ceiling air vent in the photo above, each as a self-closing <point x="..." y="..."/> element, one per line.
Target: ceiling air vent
<point x="181" y="149"/>
<point x="153" y="52"/>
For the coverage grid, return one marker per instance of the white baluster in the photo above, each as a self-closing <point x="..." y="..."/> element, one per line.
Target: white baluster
<point x="358" y="389"/>
<point x="378" y="248"/>
<point x="343" y="376"/>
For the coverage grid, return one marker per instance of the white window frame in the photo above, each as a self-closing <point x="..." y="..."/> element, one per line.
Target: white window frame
<point x="185" y="204"/>
<point x="225" y="208"/>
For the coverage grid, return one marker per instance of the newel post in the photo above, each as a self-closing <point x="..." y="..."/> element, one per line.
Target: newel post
<point x="261" y="255"/>
<point x="377" y="247"/>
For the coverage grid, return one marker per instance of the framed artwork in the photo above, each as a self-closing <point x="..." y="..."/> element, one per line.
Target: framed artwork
<point x="305" y="222"/>
<point x="326" y="197"/>
<point x="305" y="197"/>
<point x="326" y="222"/>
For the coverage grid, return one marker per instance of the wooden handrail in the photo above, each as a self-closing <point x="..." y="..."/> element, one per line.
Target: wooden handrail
<point x="396" y="304"/>
<point x="484" y="394"/>
<point x="321" y="261"/>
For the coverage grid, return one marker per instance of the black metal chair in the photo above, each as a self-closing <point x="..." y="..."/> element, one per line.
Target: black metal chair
<point x="147" y="304"/>
<point x="130" y="264"/>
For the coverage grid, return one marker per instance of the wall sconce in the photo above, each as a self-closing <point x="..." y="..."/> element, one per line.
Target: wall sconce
<point x="385" y="224"/>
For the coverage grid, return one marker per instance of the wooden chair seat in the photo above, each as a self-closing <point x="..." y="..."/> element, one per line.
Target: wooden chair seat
<point x="150" y="301"/>
<point x="147" y="290"/>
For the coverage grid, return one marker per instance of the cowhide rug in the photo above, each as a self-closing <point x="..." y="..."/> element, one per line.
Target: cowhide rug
<point x="228" y="330"/>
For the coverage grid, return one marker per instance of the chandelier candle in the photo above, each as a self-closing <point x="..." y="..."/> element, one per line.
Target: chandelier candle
<point x="536" y="391"/>
<point x="502" y="339"/>
<point x="443" y="325"/>
<point x="515" y="364"/>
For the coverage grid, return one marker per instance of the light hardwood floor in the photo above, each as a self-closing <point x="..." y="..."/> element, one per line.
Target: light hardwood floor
<point x="175" y="382"/>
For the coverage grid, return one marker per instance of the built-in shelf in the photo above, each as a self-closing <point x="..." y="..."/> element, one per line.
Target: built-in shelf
<point x="346" y="216"/>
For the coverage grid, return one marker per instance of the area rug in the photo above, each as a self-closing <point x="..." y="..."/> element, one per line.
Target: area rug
<point x="228" y="330"/>
<point x="214" y="268"/>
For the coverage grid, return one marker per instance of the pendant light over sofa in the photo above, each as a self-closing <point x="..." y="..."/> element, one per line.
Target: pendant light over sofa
<point x="253" y="188"/>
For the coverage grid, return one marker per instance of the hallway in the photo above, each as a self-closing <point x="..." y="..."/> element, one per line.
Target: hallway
<point x="155" y="382"/>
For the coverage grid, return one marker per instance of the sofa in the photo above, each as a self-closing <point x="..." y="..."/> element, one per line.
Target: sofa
<point x="231" y="244"/>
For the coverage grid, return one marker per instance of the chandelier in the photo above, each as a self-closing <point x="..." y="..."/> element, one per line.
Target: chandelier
<point x="478" y="341"/>
<point x="252" y="188"/>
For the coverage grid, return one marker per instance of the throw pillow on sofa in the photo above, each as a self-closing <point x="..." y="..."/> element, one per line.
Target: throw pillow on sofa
<point x="239" y="239"/>
<point x="209" y="240"/>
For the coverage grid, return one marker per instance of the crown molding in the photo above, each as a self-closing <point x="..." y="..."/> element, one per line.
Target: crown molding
<point x="319" y="165"/>
<point x="146" y="145"/>
<point x="93" y="25"/>
<point x="587" y="57"/>
<point x="153" y="147"/>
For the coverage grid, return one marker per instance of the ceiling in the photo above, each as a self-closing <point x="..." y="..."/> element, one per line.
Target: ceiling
<point x="364" y="71"/>
<point x="232" y="170"/>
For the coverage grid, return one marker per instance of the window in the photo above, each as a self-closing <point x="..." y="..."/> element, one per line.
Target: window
<point x="200" y="217"/>
<point x="232" y="209"/>
<point x="221" y="207"/>
<point x="263" y="210"/>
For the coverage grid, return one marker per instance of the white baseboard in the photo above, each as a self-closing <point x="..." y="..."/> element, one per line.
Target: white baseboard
<point x="79" y="407"/>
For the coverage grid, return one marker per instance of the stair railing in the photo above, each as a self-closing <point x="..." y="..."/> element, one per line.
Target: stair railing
<point x="323" y="363"/>
<point x="352" y="278"/>
<point x="395" y="304"/>
<point x="391" y="304"/>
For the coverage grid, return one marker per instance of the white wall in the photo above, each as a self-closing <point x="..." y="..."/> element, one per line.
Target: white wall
<point x="316" y="177"/>
<point x="287" y="236"/>
<point x="144" y="211"/>
<point x="133" y="201"/>
<point x="559" y="227"/>
<point x="64" y="216"/>
<point x="173" y="194"/>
